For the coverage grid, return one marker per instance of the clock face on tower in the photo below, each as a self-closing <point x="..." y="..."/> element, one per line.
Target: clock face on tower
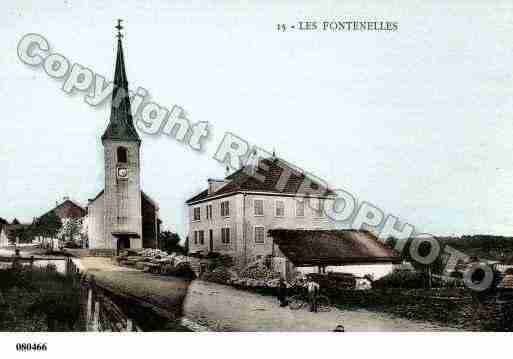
<point x="122" y="173"/>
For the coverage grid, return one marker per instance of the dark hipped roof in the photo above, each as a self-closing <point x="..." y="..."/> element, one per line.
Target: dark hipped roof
<point x="121" y="126"/>
<point x="242" y="181"/>
<point x="332" y="247"/>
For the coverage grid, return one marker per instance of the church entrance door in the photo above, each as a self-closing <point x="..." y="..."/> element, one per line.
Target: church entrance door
<point x="123" y="243"/>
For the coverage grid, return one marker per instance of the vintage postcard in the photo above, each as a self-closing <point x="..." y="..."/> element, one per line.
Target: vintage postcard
<point x="229" y="166"/>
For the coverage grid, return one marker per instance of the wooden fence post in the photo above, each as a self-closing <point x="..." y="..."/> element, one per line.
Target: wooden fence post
<point x="89" y="315"/>
<point x="96" y="317"/>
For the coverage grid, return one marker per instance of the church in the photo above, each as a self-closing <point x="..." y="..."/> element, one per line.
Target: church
<point x="122" y="216"/>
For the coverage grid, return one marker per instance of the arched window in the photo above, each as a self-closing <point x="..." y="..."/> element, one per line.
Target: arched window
<point x="122" y="155"/>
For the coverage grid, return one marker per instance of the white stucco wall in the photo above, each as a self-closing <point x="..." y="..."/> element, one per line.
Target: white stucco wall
<point x="95" y="223"/>
<point x="242" y="222"/>
<point x="376" y="270"/>
<point x="4" y="241"/>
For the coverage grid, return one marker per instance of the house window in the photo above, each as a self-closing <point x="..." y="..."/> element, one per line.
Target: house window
<point x="209" y="211"/>
<point x="259" y="207"/>
<point x="300" y="208"/>
<point x="225" y="235"/>
<point x="197" y="213"/>
<point x="122" y="155"/>
<point x="195" y="237"/>
<point x="280" y="208"/>
<point x="319" y="209"/>
<point x="225" y="209"/>
<point x="201" y="237"/>
<point x="259" y="235"/>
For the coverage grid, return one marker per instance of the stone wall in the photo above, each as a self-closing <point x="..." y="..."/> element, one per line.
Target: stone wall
<point x="459" y="310"/>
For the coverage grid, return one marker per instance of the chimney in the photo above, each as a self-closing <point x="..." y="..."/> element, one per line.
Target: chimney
<point x="215" y="184"/>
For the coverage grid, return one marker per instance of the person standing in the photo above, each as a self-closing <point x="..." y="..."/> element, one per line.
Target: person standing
<point x="313" y="292"/>
<point x="282" y="293"/>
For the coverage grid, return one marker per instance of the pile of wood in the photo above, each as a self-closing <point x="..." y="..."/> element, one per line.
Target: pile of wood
<point x="219" y="275"/>
<point x="260" y="272"/>
<point x="155" y="261"/>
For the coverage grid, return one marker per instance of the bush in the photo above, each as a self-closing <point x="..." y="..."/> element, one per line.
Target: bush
<point x="403" y="279"/>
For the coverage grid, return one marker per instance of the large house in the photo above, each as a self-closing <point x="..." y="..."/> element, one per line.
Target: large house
<point x="233" y="215"/>
<point x="122" y="215"/>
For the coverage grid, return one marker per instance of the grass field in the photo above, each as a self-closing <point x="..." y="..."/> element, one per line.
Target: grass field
<point x="39" y="300"/>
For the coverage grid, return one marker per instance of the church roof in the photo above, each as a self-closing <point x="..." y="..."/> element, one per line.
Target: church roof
<point x="121" y="125"/>
<point x="144" y="197"/>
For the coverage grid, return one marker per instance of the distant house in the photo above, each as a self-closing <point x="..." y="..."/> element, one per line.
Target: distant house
<point x="4" y="240"/>
<point x="233" y="215"/>
<point x="67" y="209"/>
<point x="321" y="251"/>
<point x="9" y="232"/>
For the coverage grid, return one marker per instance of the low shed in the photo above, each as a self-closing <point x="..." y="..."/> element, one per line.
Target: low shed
<point x="353" y="251"/>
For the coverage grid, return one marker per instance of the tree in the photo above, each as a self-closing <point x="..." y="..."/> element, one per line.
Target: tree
<point x="23" y="234"/>
<point x="71" y="229"/>
<point x="423" y="250"/>
<point x="49" y="225"/>
<point x="15" y="221"/>
<point x="170" y="242"/>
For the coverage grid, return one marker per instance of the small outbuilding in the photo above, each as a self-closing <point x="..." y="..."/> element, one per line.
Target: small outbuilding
<point x="358" y="252"/>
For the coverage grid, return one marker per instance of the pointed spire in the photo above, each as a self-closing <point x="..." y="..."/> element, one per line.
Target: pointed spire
<point x="121" y="125"/>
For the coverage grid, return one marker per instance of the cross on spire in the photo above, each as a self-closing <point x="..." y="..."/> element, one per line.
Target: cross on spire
<point x="119" y="27"/>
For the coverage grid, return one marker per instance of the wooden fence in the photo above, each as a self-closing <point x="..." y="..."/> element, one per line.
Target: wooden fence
<point x="102" y="314"/>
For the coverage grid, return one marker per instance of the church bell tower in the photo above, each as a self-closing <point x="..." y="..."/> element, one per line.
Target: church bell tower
<point x="121" y="143"/>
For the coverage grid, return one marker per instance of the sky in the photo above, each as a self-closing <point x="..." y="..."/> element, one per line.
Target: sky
<point x="416" y="121"/>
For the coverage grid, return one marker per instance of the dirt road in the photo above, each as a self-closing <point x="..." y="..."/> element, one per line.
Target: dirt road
<point x="223" y="308"/>
<point x="167" y="293"/>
